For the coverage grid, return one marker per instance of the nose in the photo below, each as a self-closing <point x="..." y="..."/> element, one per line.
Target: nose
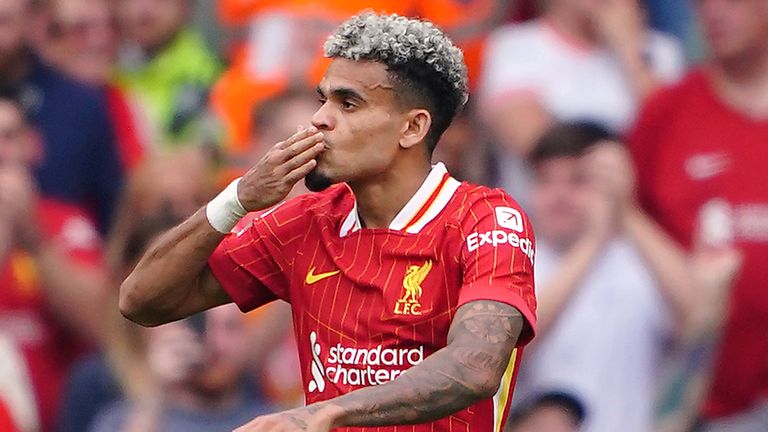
<point x="323" y="119"/>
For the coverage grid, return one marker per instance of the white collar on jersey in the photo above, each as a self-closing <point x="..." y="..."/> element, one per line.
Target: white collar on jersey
<point x="424" y="206"/>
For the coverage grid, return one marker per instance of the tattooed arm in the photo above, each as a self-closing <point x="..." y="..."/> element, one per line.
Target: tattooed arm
<point x="480" y="342"/>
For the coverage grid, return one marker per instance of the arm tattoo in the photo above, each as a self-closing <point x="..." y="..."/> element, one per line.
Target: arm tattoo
<point x="480" y="341"/>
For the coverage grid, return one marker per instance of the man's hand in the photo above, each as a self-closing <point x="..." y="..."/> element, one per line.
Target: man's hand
<point x="18" y="204"/>
<point x="272" y="178"/>
<point x="174" y="353"/>
<point x="621" y="25"/>
<point x="313" y="418"/>
<point x="610" y="173"/>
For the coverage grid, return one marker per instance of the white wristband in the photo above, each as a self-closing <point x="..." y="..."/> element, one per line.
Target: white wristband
<point x="225" y="211"/>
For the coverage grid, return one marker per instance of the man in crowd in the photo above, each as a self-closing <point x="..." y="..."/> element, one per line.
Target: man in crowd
<point x="199" y="379"/>
<point x="166" y="66"/>
<point x="581" y="60"/>
<point x="613" y="290"/>
<point x="701" y="152"/>
<point x="79" y="161"/>
<point x="50" y="268"/>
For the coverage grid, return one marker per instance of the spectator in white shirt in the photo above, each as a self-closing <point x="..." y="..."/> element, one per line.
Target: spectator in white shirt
<point x="592" y="60"/>
<point x="612" y="288"/>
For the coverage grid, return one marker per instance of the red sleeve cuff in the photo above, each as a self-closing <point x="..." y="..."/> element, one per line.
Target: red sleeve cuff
<point x="241" y="286"/>
<point x="503" y="296"/>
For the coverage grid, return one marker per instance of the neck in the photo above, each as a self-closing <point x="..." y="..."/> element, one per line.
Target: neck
<point x="381" y="198"/>
<point x="14" y="67"/>
<point x="746" y="69"/>
<point x="574" y="28"/>
<point x="742" y="81"/>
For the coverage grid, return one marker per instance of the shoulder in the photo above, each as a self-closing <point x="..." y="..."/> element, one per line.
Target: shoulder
<point x="474" y="195"/>
<point x="669" y="99"/>
<point x="194" y="56"/>
<point x="476" y="202"/>
<point x="693" y="82"/>
<point x="67" y="223"/>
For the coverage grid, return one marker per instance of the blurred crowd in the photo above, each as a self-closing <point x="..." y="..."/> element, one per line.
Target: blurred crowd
<point x="634" y="132"/>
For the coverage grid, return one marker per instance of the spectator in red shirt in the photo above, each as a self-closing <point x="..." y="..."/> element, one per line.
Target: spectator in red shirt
<point x="701" y="149"/>
<point x="50" y="268"/>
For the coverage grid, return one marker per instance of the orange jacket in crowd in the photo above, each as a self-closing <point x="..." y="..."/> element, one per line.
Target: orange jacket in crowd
<point x="285" y="38"/>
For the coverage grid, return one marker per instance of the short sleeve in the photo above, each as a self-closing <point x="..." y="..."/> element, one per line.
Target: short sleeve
<point x="251" y="263"/>
<point x="497" y="256"/>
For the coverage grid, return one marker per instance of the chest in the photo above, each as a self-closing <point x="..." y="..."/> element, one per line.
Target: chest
<point x="705" y="158"/>
<point x="594" y="88"/>
<point x="372" y="287"/>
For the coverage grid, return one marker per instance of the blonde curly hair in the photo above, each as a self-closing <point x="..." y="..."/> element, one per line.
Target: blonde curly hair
<point x="419" y="56"/>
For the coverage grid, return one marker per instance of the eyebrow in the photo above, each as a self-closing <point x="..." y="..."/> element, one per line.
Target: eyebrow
<point x="342" y="93"/>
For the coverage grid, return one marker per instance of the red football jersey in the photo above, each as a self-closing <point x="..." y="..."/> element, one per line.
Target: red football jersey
<point x="48" y="348"/>
<point x="369" y="303"/>
<point x="701" y="163"/>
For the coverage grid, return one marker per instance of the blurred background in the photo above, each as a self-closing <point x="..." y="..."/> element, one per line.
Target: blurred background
<point x="634" y="132"/>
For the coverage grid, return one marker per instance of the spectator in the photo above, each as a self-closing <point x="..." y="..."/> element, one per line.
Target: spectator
<point x="612" y="289"/>
<point x="83" y="44"/>
<point x="167" y="68"/>
<point x="548" y="412"/>
<point x="582" y="60"/>
<point x="119" y="370"/>
<point x="700" y="151"/>
<point x="175" y="181"/>
<point x="198" y="366"/>
<point x="50" y="268"/>
<point x="79" y="159"/>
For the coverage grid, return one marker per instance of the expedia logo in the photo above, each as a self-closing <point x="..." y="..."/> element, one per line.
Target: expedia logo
<point x="409" y="303"/>
<point x="496" y="238"/>
<point x="359" y="366"/>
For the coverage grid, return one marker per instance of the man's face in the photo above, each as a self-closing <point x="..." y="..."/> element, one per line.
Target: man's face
<point x="361" y="120"/>
<point x="13" y="21"/>
<point x="152" y="23"/>
<point x="734" y="28"/>
<point x="86" y="39"/>
<point x="16" y="142"/>
<point x="226" y="346"/>
<point x="560" y="197"/>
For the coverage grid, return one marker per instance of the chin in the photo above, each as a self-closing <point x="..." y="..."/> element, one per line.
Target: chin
<point x="316" y="181"/>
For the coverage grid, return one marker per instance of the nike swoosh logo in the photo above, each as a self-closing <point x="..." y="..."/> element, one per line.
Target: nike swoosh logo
<point x="312" y="277"/>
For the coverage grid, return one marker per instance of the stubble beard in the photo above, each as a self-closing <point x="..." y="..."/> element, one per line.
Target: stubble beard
<point x="316" y="181"/>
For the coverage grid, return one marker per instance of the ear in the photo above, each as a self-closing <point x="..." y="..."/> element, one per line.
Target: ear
<point x="416" y="127"/>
